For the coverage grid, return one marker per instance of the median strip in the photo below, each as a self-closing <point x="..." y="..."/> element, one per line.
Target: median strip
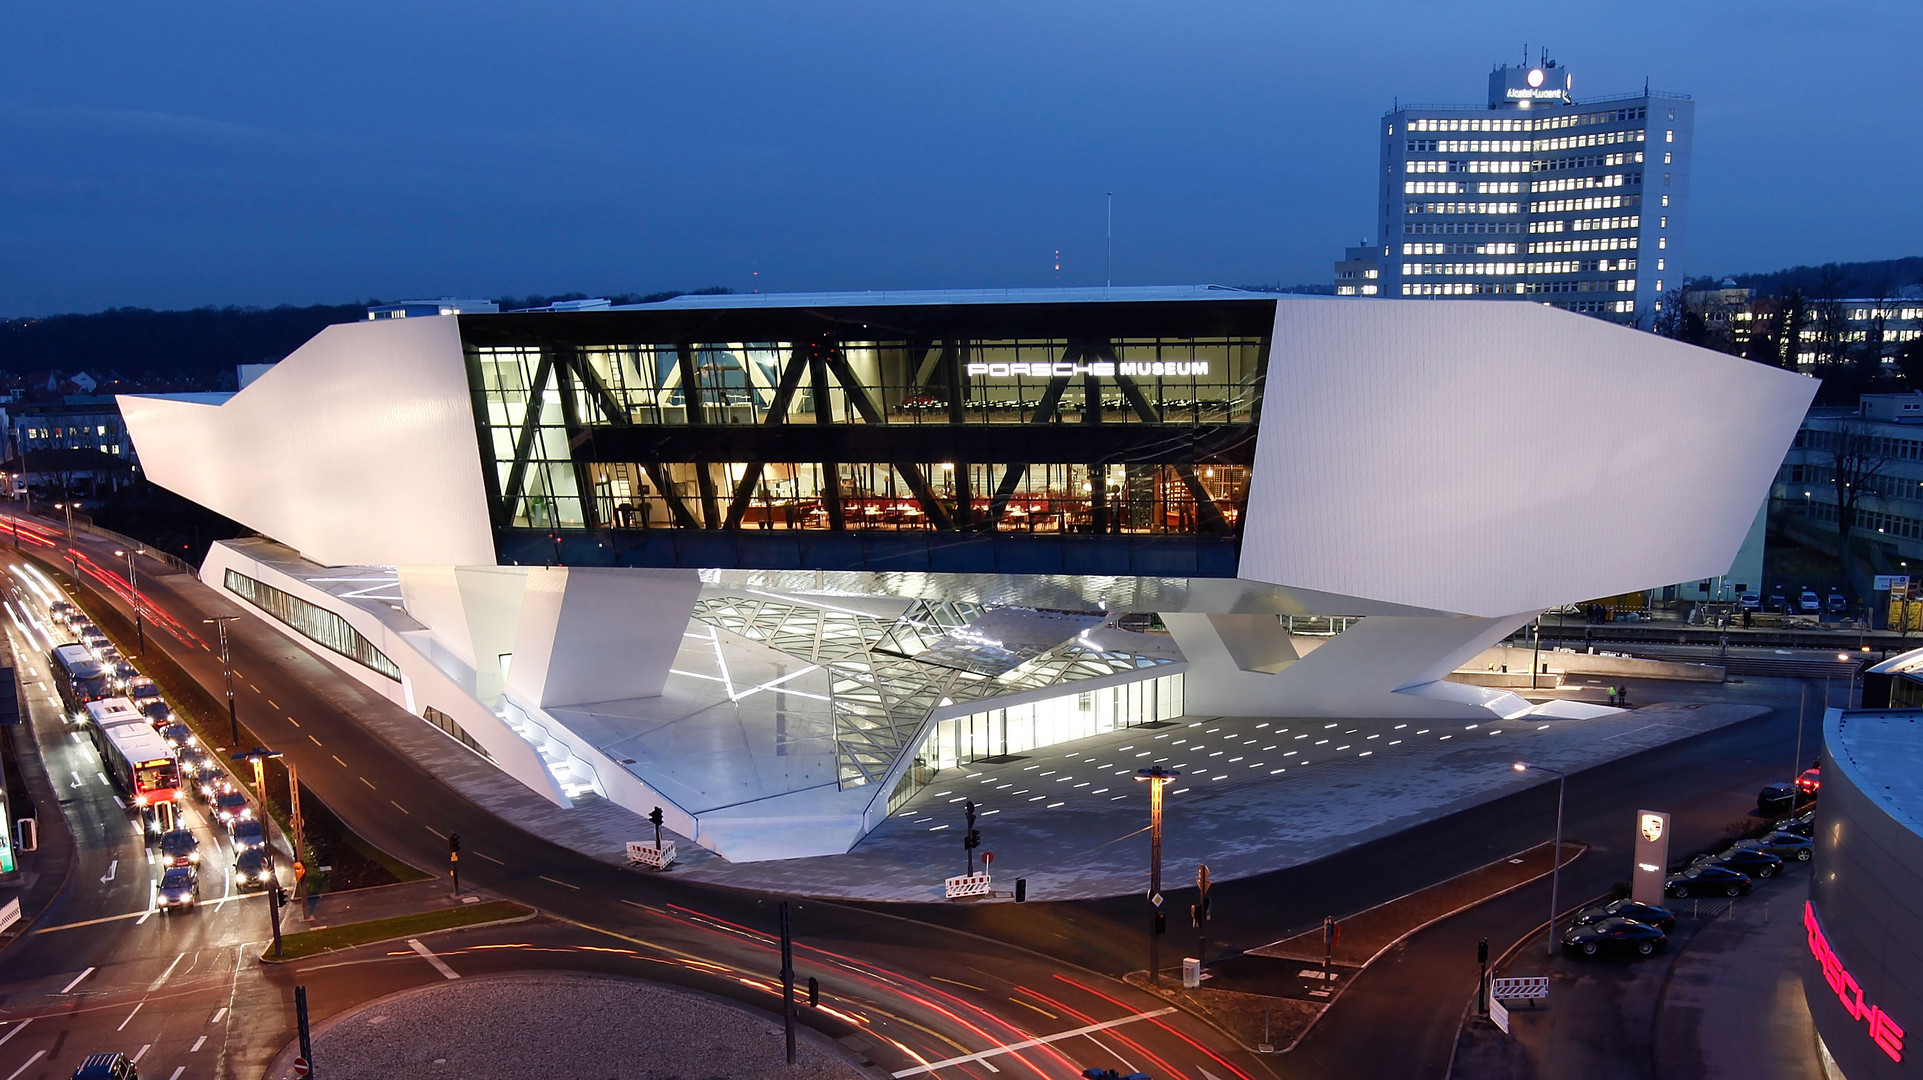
<point x="396" y="928"/>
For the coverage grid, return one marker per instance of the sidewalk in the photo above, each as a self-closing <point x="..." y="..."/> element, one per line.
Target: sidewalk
<point x="366" y="905"/>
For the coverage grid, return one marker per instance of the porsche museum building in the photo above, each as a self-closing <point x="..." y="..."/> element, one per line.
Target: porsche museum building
<point x="774" y="563"/>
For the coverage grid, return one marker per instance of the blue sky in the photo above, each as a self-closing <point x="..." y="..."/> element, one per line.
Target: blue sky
<point x="187" y="154"/>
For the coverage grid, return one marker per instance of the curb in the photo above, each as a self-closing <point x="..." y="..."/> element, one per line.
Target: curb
<point x="533" y="913"/>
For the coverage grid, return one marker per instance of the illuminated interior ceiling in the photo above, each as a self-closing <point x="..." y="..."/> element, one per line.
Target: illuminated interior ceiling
<point x="881" y="698"/>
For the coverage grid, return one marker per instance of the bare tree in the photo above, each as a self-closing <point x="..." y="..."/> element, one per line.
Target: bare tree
<point x="1856" y="459"/>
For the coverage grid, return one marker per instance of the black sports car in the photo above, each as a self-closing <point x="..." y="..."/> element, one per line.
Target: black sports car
<point x="1613" y="935"/>
<point x="1803" y="824"/>
<point x="1784" y="845"/>
<point x="1647" y="914"/>
<point x="1706" y="879"/>
<point x="1745" y="860"/>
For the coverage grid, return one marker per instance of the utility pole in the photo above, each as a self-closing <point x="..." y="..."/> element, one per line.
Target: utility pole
<point x="133" y="586"/>
<point x="788" y="981"/>
<point x="306" y="1040"/>
<point x="227" y="672"/>
<point x="1158" y="921"/>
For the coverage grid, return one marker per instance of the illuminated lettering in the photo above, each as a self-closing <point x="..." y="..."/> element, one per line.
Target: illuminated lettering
<point x="1884" y="1032"/>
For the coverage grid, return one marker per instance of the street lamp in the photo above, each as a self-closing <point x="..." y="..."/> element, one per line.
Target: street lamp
<point x="133" y="585"/>
<point x="73" y="558"/>
<point x="227" y="670"/>
<point x="1555" y="857"/>
<point x="1156" y="777"/>
<point x="1841" y="658"/>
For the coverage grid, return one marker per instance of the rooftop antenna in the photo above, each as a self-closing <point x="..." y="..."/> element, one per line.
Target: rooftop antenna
<point x="1110" y="282"/>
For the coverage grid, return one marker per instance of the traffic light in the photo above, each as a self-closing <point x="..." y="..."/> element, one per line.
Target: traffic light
<point x="280" y="896"/>
<point x="1161" y="922"/>
<point x="654" y="816"/>
<point x="1482" y="951"/>
<point x="1021" y="890"/>
<point x="453" y="844"/>
<point x="1199" y="911"/>
<point x="814" y="991"/>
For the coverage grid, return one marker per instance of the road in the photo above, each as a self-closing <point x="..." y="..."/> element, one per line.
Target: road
<point x="912" y="983"/>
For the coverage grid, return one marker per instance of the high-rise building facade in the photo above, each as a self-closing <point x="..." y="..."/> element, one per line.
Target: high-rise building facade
<point x="1537" y="195"/>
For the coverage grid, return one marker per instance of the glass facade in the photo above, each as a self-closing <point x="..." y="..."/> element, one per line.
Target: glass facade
<point x="628" y="425"/>
<point x="316" y="624"/>
<point x="454" y="730"/>
<point x="998" y="734"/>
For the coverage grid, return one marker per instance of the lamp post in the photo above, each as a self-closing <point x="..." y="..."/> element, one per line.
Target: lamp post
<point x="227" y="671"/>
<point x="1555" y="857"/>
<point x="72" y="558"/>
<point x="1156" y="777"/>
<point x="1841" y="658"/>
<point x="133" y="585"/>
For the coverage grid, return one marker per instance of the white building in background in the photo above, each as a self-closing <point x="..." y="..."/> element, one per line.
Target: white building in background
<point x="1536" y="194"/>
<point x="773" y="562"/>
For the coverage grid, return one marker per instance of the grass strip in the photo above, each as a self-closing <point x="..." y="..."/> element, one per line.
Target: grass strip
<point x="314" y="942"/>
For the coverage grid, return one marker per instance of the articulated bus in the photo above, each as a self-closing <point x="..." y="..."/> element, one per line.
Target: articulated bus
<point x="142" y="763"/>
<point x="79" y="676"/>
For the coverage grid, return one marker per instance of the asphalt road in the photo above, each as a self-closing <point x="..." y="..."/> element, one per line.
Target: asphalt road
<point x="905" y="984"/>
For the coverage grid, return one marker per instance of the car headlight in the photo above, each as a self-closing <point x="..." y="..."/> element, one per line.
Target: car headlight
<point x="193" y="856"/>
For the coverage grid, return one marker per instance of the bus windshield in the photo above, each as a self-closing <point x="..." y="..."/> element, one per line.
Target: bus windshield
<point x="156" y="776"/>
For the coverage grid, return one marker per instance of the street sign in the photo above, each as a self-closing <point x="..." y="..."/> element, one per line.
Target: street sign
<point x="301" y="1068"/>
<point x="1651" y="857"/>
<point x="1500" y="1015"/>
<point x="1891" y="583"/>
<point x="1156" y="899"/>
<point x="987" y="857"/>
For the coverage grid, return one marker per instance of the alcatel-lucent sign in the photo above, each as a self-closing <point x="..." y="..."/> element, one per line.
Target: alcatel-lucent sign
<point x="1883" y="1031"/>
<point x="1106" y="369"/>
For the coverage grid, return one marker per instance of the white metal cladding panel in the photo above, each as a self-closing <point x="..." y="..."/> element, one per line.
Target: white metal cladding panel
<point x="1489" y="458"/>
<point x="359" y="448"/>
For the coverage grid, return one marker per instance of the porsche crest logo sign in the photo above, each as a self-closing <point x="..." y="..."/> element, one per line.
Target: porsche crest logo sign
<point x="1652" y="827"/>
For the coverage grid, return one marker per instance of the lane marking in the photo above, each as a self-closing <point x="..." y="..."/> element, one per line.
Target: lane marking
<point x="1037" y="1008"/>
<point x="489" y="858"/>
<point x="369" y="783"/>
<point x="272" y="704"/>
<point x="103" y="779"/>
<point x="338" y="761"/>
<point x="195" y="1049"/>
<point x="952" y="982"/>
<point x="215" y="1019"/>
<point x="399" y="807"/>
<point x="15" y="1030"/>
<point x="118" y="801"/>
<point x="68" y="989"/>
<point x="293" y="721"/>
<point x="142" y="1052"/>
<point x="112" y="867"/>
<point x="435" y="831"/>
<point x="1044" y="1040"/>
<point x="564" y="884"/>
<point x="415" y="944"/>
<point x="130" y="1017"/>
<point x="316" y="742"/>
<point x="178" y="1069"/>
<point x="37" y="1055"/>
<point x="158" y="983"/>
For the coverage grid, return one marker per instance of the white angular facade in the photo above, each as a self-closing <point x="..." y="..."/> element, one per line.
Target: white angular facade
<point x="764" y="660"/>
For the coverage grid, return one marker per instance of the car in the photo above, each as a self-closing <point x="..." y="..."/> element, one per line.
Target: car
<point x="1808" y="604"/>
<point x="247" y="834"/>
<point x="1777" y="602"/>
<point x="108" y="656"/>
<point x="1803" y="824"/>
<point x="179" y="888"/>
<point x="254" y="869"/>
<point x="196" y="761"/>
<point x="179" y="848"/>
<point x="1791" y="794"/>
<point x="213" y="786"/>
<point x="1784" y="845"/>
<point x="1706" y="879"/>
<point x="1613" y="935"/>
<point x="60" y="609"/>
<point x="122" y="673"/>
<point x="1750" y="601"/>
<point x="157" y="713"/>
<point x="93" y="639"/>
<point x="107" y="1067"/>
<point x="231" y="806"/>
<point x="1837" y="605"/>
<point x="1647" y="914"/>
<point x="178" y="735"/>
<point x="140" y="690"/>
<point x="1746" y="860"/>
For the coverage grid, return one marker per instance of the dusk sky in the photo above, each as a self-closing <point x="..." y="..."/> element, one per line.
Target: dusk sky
<point x="188" y="154"/>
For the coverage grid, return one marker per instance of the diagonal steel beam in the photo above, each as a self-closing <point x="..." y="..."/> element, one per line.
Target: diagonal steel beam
<point x="524" y="443"/>
<point x="1045" y="410"/>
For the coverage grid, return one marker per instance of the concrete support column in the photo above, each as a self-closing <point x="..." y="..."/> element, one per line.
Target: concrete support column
<point x="589" y="634"/>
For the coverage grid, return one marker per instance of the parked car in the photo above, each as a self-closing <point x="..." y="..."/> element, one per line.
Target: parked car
<point x="1837" y="605"/>
<point x="107" y="1067"/>
<point x="1613" y="935"/>
<point x="1784" y="845"/>
<point x="1808" y="603"/>
<point x="1790" y="795"/>
<point x="1746" y="860"/>
<point x="1777" y="602"/>
<point x="179" y="848"/>
<point x="1803" y="824"/>
<point x="254" y="868"/>
<point x="1706" y="879"/>
<point x="179" y="888"/>
<point x="231" y="806"/>
<point x="1647" y="914"/>
<point x="1750" y="601"/>
<point x="247" y="834"/>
